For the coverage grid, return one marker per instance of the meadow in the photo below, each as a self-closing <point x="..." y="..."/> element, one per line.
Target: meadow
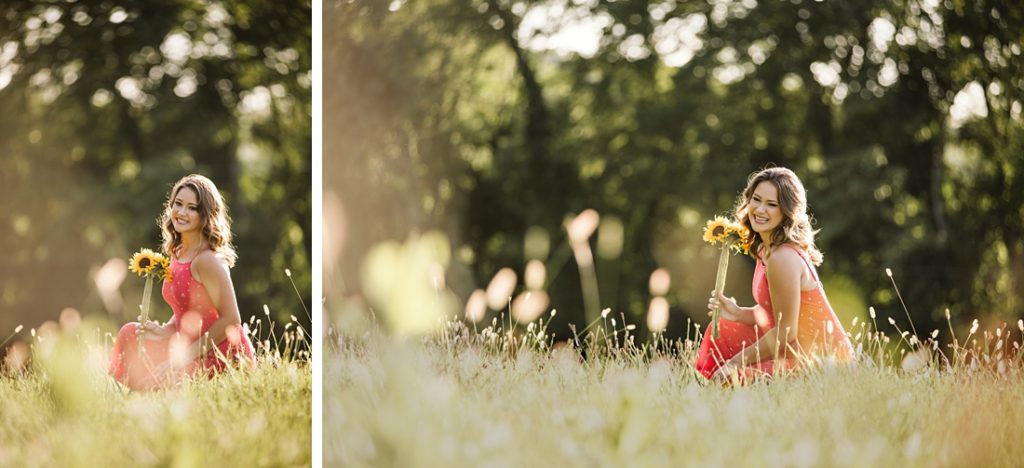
<point x="508" y="395"/>
<point x="61" y="409"/>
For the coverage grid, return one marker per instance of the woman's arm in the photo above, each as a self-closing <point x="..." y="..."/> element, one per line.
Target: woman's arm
<point x="216" y="278"/>
<point x="784" y="270"/>
<point x="732" y="311"/>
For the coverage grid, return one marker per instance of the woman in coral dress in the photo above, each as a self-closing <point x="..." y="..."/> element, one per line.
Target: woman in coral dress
<point x="205" y="331"/>
<point x="792" y="323"/>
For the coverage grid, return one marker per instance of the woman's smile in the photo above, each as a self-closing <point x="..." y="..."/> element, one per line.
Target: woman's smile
<point x="764" y="211"/>
<point x="185" y="210"/>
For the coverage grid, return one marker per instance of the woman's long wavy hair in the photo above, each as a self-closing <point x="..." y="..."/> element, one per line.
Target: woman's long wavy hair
<point x="795" y="226"/>
<point x="213" y="213"/>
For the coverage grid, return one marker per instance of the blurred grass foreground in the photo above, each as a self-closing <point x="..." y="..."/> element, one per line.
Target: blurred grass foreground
<point x="485" y="399"/>
<point x="468" y="392"/>
<point x="62" y="409"/>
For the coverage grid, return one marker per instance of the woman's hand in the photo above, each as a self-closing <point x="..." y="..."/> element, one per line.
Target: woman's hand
<point x="730" y="310"/>
<point x="155" y="331"/>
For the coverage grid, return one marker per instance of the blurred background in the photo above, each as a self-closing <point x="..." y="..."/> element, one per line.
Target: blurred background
<point x="495" y="121"/>
<point x="106" y="104"/>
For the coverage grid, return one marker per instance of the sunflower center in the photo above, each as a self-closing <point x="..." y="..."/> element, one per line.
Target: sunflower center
<point x="719" y="230"/>
<point x="144" y="263"/>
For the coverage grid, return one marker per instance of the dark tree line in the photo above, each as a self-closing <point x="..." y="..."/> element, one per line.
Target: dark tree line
<point x="441" y="115"/>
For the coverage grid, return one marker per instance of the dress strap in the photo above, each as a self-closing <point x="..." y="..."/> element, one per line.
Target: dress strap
<point x="800" y="252"/>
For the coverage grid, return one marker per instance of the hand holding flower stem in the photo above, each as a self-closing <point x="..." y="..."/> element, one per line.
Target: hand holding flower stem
<point x="728" y="235"/>
<point x="148" y="264"/>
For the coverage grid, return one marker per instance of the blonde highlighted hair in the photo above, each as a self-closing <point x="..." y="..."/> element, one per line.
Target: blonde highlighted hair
<point x="795" y="226"/>
<point x="216" y="224"/>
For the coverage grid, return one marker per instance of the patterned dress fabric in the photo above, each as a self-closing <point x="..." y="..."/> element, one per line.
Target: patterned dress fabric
<point x="819" y="332"/>
<point x="143" y="368"/>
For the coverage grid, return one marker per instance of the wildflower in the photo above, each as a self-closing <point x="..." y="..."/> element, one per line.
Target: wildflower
<point x="583" y="226"/>
<point x="657" y="315"/>
<point x="499" y="290"/>
<point x="147" y="263"/>
<point x="730" y="236"/>
<point x="143" y="262"/>
<point x="535" y="275"/>
<point x="529" y="305"/>
<point x="476" y="306"/>
<point x="659" y="282"/>
<point x="163" y="267"/>
<point x="716" y="230"/>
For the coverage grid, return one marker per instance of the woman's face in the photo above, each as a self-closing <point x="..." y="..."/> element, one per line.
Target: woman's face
<point x="185" y="211"/>
<point x="763" y="209"/>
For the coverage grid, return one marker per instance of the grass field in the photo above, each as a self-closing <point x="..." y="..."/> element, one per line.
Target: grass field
<point x="463" y="398"/>
<point x="61" y="409"/>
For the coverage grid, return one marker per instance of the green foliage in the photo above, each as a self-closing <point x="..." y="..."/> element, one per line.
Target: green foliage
<point x="454" y="118"/>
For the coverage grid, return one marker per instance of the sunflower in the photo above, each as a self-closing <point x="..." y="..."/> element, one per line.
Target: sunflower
<point x="143" y="262"/>
<point x="737" y="232"/>
<point x="716" y="230"/>
<point x="163" y="267"/>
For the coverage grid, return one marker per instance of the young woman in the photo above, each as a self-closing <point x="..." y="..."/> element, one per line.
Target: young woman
<point x="206" y="330"/>
<point x="792" y="322"/>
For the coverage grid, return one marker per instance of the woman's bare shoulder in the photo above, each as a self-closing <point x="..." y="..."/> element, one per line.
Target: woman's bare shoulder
<point x="785" y="258"/>
<point x="209" y="261"/>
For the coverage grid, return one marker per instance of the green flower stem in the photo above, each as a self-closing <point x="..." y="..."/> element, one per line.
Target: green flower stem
<point x="147" y="294"/>
<point x="723" y="266"/>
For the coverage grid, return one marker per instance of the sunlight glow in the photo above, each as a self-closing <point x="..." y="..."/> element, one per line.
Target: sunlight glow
<point x="888" y="75"/>
<point x="553" y="27"/>
<point x="108" y="279"/>
<point x="186" y="85"/>
<point x="678" y="39"/>
<point x="118" y="15"/>
<point x="101" y="98"/>
<point x="881" y="31"/>
<point x="176" y="48"/>
<point x="826" y="74"/>
<point x="129" y="89"/>
<point x="968" y="105"/>
<point x="256" y="102"/>
<point x="6" y="74"/>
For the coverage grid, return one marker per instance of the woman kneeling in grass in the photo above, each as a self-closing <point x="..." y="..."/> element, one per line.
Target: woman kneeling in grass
<point x="206" y="330"/>
<point x="792" y="321"/>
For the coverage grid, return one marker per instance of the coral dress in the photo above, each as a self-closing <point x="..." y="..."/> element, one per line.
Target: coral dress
<point x="819" y="332"/>
<point x="162" y="361"/>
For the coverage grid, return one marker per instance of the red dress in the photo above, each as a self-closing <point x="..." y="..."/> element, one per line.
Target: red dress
<point x="818" y="331"/>
<point x="194" y="313"/>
